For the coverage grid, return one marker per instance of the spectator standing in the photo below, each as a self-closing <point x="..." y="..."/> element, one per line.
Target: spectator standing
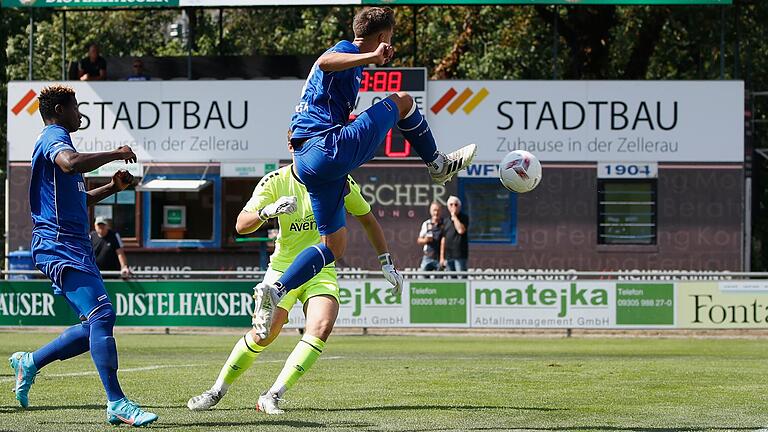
<point x="454" y="249"/>
<point x="93" y="67"/>
<point x="430" y="237"/>
<point x="138" y="73"/>
<point x="108" y="249"/>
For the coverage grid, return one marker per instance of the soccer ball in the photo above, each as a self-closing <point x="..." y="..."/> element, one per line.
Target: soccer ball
<point x="520" y="171"/>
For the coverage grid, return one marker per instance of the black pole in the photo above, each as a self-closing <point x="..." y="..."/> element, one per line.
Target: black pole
<point x="414" y="11"/>
<point x="31" y="42"/>
<point x="221" y="28"/>
<point x="722" y="42"/>
<point x="737" y="42"/>
<point x="555" y="43"/>
<point x="64" y="45"/>
<point x="188" y="29"/>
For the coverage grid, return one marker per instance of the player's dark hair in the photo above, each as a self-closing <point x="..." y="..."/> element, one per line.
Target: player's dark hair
<point x="371" y="21"/>
<point x="53" y="95"/>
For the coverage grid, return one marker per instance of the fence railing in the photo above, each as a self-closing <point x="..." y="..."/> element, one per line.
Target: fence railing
<point x="470" y="274"/>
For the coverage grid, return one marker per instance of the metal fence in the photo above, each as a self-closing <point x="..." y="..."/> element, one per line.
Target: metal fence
<point x="477" y="274"/>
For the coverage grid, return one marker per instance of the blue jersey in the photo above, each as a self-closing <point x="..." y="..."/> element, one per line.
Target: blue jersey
<point x="57" y="199"/>
<point x="327" y="98"/>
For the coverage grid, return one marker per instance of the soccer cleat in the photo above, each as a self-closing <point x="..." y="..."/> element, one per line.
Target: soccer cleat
<point x="25" y="371"/>
<point x="265" y="300"/>
<point x="205" y="401"/>
<point x="128" y="412"/>
<point x="453" y="163"/>
<point x="267" y="404"/>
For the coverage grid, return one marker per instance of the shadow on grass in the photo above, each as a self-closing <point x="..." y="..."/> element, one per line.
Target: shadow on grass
<point x="432" y="407"/>
<point x="52" y="408"/>
<point x="160" y="424"/>
<point x="594" y="428"/>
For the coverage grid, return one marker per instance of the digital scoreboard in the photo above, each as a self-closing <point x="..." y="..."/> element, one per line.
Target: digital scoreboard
<point x="378" y="84"/>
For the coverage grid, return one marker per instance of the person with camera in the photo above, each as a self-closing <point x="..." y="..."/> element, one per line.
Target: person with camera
<point x="430" y="236"/>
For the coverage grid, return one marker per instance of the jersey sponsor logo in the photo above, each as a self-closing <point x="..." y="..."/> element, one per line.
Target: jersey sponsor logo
<point x="306" y="224"/>
<point x="81" y="187"/>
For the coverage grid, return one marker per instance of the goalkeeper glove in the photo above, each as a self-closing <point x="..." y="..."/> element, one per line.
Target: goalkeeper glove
<point x="283" y="205"/>
<point x="390" y="273"/>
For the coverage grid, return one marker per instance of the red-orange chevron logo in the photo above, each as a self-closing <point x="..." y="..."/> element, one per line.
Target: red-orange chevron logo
<point x="31" y="96"/>
<point x="454" y="102"/>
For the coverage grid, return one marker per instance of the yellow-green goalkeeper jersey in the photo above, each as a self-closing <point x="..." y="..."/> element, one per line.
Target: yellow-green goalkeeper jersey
<point x="298" y="230"/>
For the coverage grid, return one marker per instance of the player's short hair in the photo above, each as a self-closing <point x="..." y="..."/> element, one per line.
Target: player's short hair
<point x="49" y="97"/>
<point x="373" y="20"/>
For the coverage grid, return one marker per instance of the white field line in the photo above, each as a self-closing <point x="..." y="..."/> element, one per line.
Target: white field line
<point x="144" y="368"/>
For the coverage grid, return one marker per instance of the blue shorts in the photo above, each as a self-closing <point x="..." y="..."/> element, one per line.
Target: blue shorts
<point x="71" y="267"/>
<point x="324" y="161"/>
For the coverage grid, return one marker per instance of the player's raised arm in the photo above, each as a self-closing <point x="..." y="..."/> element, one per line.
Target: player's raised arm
<point x="74" y="162"/>
<point x="379" y="242"/>
<point x="263" y="205"/>
<point x="120" y="181"/>
<point x="356" y="204"/>
<point x="337" y="61"/>
<point x="250" y="221"/>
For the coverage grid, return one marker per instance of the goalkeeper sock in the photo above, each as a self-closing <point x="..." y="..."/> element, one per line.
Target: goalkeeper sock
<point x="416" y="130"/>
<point x="301" y="359"/>
<point x="241" y="358"/>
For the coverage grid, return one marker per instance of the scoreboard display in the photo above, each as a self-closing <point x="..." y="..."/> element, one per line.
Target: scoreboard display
<point x="378" y="84"/>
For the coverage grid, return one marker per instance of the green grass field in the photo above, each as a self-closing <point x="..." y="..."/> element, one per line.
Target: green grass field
<point x="418" y="383"/>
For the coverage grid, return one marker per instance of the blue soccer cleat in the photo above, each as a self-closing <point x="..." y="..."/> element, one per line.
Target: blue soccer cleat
<point x="128" y="412"/>
<point x="25" y="371"/>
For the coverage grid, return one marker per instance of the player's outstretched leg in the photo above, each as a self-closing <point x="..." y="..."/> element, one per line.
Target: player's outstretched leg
<point x="321" y="315"/>
<point x="70" y="343"/>
<point x="442" y="167"/>
<point x="242" y="357"/>
<point x="305" y="266"/>
<point x="120" y="409"/>
<point x="304" y="355"/>
<point x="85" y="291"/>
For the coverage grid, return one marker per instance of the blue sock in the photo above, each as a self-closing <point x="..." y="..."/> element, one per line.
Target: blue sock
<point x="104" y="351"/>
<point x="416" y="130"/>
<point x="306" y="265"/>
<point x="70" y="343"/>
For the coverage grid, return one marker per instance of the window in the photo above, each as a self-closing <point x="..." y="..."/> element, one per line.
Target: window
<point x="120" y="208"/>
<point x="491" y="208"/>
<point x="179" y="218"/>
<point x="627" y="212"/>
<point x="237" y="192"/>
